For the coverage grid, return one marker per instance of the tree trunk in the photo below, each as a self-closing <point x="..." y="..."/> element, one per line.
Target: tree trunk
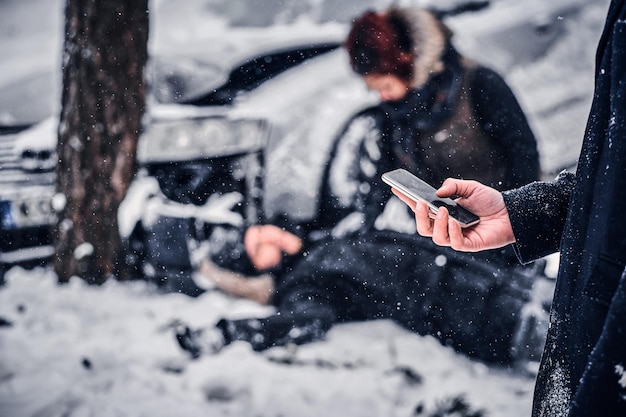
<point x="104" y="58"/>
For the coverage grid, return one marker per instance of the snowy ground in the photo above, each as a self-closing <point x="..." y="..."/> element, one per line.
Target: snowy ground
<point x="76" y="350"/>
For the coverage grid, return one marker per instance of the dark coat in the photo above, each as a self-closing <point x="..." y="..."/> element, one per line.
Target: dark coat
<point x="583" y="367"/>
<point x="496" y="142"/>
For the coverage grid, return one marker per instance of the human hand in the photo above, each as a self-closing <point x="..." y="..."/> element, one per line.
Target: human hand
<point x="265" y="245"/>
<point x="493" y="231"/>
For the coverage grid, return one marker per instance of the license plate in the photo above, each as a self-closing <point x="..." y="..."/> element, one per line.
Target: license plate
<point x="27" y="211"/>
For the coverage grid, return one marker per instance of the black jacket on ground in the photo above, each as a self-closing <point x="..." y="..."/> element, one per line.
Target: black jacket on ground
<point x="583" y="369"/>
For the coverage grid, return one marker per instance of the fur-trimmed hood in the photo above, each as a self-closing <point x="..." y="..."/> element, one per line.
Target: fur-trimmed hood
<point x="430" y="41"/>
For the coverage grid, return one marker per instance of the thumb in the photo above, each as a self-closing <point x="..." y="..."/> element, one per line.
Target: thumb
<point x="455" y="187"/>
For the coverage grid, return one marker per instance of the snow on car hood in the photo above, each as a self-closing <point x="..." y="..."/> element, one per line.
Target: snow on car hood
<point x="42" y="136"/>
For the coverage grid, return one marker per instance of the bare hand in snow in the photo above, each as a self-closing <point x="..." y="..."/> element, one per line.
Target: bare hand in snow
<point x="265" y="245"/>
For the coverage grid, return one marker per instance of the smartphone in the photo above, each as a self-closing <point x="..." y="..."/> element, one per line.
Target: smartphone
<point x="417" y="189"/>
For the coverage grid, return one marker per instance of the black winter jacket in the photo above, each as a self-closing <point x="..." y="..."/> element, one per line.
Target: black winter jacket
<point x="583" y="369"/>
<point x="403" y="135"/>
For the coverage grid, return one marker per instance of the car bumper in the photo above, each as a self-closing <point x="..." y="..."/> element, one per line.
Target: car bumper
<point x="27" y="256"/>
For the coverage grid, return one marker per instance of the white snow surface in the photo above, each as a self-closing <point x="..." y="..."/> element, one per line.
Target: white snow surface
<point x="78" y="350"/>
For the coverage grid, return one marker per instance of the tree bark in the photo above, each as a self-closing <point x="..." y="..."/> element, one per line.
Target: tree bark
<point x="103" y="101"/>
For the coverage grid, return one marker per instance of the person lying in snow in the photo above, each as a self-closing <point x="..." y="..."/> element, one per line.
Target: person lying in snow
<point x="440" y="115"/>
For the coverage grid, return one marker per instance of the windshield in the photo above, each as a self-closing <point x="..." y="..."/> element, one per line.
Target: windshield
<point x="176" y="80"/>
<point x="205" y="84"/>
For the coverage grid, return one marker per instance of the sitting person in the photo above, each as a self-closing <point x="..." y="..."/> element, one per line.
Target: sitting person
<point x="440" y="115"/>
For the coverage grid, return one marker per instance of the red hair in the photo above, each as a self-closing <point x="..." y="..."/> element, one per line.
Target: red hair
<point x="377" y="44"/>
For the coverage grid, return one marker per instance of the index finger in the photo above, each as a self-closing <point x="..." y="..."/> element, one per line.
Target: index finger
<point x="410" y="202"/>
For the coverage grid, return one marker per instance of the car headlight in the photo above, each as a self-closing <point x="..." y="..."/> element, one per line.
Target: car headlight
<point x="38" y="159"/>
<point x="192" y="139"/>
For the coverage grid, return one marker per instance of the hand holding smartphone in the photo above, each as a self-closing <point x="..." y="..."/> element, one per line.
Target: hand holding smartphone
<point x="417" y="190"/>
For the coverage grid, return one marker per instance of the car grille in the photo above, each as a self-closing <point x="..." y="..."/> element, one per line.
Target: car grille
<point x="12" y="175"/>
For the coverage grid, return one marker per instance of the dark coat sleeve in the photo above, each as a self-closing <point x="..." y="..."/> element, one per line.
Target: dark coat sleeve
<point x="538" y="212"/>
<point x="502" y="118"/>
